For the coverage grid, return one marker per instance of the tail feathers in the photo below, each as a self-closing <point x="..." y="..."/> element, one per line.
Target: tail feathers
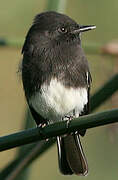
<point x="71" y="155"/>
<point x="63" y="163"/>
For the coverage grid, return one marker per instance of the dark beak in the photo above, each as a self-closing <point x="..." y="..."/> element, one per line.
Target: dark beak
<point x="84" y="28"/>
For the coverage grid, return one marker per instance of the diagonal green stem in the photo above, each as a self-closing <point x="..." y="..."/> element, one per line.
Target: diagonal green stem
<point x="23" y="161"/>
<point x="105" y="92"/>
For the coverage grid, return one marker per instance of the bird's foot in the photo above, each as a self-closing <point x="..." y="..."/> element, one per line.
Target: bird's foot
<point x="40" y="127"/>
<point x="68" y="119"/>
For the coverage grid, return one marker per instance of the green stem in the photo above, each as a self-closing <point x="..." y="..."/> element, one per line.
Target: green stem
<point x="56" y="5"/>
<point x="59" y="128"/>
<point x="104" y="92"/>
<point x="22" y="162"/>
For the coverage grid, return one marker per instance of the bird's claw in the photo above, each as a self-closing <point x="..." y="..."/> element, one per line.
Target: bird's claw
<point x="68" y="119"/>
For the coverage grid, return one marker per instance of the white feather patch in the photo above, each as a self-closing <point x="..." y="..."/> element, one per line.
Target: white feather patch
<point x="55" y="101"/>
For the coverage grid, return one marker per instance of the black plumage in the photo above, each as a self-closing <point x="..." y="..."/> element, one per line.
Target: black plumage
<point x="52" y="50"/>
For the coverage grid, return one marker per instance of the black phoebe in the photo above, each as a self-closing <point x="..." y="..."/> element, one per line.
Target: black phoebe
<point x="56" y="80"/>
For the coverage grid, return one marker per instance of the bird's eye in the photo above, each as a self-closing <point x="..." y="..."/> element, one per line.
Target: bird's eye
<point x="62" y="30"/>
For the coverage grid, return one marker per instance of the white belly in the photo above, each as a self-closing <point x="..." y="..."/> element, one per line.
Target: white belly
<point x="55" y="101"/>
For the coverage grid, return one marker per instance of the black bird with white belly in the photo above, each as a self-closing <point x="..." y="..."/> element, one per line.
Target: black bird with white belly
<point x="56" y="81"/>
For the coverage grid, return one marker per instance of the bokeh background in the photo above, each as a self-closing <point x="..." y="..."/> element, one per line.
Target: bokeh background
<point x="100" y="144"/>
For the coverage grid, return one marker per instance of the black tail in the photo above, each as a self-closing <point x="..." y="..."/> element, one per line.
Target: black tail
<point x="71" y="156"/>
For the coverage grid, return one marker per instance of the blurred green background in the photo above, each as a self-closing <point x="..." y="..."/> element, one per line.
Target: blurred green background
<point x="100" y="144"/>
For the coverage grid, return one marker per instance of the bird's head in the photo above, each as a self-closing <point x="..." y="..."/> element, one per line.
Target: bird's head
<point x="56" y="26"/>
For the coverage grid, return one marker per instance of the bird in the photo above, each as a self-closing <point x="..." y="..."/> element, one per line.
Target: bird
<point x="57" y="80"/>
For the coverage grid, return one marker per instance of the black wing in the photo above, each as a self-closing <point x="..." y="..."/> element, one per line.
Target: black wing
<point x="86" y="109"/>
<point x="87" y="106"/>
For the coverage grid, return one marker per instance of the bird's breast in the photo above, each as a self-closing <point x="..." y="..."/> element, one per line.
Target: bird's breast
<point x="54" y="100"/>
